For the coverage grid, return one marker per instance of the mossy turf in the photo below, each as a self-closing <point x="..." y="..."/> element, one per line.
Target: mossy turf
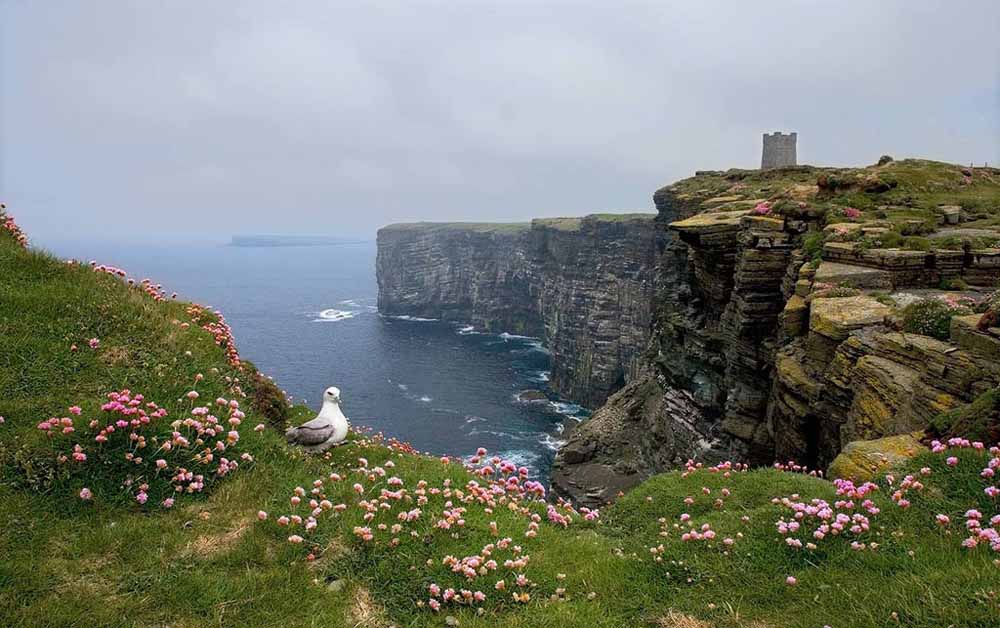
<point x="210" y="562"/>
<point x="903" y="193"/>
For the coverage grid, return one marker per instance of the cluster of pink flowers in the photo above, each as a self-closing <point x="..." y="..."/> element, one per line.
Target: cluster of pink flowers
<point x="899" y="495"/>
<point x="825" y="519"/>
<point x="155" y="291"/>
<point x="220" y="331"/>
<point x="762" y="208"/>
<point x="7" y="224"/>
<point x="132" y="437"/>
<point x="393" y="510"/>
<point x="852" y="213"/>
<point x="793" y="467"/>
<point x="977" y="533"/>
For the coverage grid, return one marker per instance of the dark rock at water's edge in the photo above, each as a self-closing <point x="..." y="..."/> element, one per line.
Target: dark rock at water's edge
<point x="584" y="286"/>
<point x="532" y="396"/>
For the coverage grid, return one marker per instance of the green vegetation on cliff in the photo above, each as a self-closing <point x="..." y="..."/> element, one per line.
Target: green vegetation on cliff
<point x="108" y="558"/>
<point x="908" y="194"/>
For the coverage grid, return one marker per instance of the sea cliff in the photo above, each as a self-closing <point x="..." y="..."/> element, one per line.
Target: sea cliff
<point x="583" y="285"/>
<point x="799" y="310"/>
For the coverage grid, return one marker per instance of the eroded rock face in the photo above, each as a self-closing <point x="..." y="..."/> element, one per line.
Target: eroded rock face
<point x="642" y="429"/>
<point x="584" y="285"/>
<point x="752" y="360"/>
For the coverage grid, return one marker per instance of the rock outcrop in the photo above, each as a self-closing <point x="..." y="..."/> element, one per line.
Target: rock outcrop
<point x="584" y="285"/>
<point x="775" y="340"/>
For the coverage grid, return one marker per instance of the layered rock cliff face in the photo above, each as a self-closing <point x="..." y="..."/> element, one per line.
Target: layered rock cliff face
<point x="584" y="285"/>
<point x="778" y="317"/>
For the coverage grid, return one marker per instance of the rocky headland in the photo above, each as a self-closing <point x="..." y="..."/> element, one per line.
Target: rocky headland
<point x="760" y="316"/>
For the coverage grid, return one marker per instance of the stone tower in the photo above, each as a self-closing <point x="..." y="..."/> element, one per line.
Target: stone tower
<point x="779" y="150"/>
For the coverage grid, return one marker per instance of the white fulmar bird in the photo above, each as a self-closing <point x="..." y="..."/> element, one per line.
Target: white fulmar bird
<point x="328" y="429"/>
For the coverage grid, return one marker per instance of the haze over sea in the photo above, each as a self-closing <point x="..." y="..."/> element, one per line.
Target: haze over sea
<point x="306" y="316"/>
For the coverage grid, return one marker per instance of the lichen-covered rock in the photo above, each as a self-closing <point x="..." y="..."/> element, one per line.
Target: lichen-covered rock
<point x="835" y="318"/>
<point x="866" y="460"/>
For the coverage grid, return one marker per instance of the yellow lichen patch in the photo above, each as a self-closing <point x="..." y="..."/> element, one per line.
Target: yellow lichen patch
<point x="675" y="619"/>
<point x="863" y="460"/>
<point x="365" y="612"/>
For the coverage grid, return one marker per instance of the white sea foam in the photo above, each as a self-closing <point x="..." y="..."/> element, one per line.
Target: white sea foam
<point x="507" y="337"/>
<point x="332" y="316"/>
<point x="563" y="407"/>
<point x="521" y="457"/>
<point x="538" y="346"/>
<point x="426" y="399"/>
<point x="474" y="419"/>
<point x="467" y="330"/>
<point x="540" y="376"/>
<point x="550" y="442"/>
<point x="403" y="386"/>
<point x="415" y="319"/>
<point x="499" y="433"/>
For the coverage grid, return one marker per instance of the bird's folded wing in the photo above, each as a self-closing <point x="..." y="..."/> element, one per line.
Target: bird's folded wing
<point x="313" y="433"/>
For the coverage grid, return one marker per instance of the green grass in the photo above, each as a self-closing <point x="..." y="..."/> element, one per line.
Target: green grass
<point x="917" y="188"/>
<point x="210" y="562"/>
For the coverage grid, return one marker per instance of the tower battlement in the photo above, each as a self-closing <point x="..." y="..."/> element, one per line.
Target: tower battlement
<point x="779" y="150"/>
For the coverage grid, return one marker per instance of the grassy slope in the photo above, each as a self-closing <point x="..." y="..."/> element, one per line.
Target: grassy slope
<point x="209" y="562"/>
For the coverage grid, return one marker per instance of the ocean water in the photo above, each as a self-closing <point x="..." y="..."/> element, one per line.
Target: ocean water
<point x="306" y="316"/>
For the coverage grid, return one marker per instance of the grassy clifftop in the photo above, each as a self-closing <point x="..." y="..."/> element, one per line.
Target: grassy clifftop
<point x="391" y="534"/>
<point x="896" y="192"/>
<point x="562" y="223"/>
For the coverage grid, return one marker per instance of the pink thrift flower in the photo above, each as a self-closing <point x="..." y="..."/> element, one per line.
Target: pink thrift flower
<point x="85" y="494"/>
<point x="261" y="515"/>
<point x="75" y="410"/>
<point x="791" y="581"/>
<point x="94" y="343"/>
<point x="951" y="461"/>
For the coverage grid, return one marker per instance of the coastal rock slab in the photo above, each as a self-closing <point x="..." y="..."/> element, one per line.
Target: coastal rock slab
<point x="835" y="318"/>
<point x="865" y="460"/>
<point x="849" y="275"/>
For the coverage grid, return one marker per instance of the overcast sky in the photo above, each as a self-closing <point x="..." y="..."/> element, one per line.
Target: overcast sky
<point x="336" y="118"/>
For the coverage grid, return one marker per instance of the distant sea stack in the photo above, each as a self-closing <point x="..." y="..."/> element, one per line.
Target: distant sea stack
<point x="584" y="285"/>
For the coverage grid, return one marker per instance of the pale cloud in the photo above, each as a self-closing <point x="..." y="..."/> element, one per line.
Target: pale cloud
<point x="124" y="117"/>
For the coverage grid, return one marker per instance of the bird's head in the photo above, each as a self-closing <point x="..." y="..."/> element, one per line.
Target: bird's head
<point x="332" y="395"/>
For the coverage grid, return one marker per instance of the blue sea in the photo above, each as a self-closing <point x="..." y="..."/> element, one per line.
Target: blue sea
<point x="306" y="316"/>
